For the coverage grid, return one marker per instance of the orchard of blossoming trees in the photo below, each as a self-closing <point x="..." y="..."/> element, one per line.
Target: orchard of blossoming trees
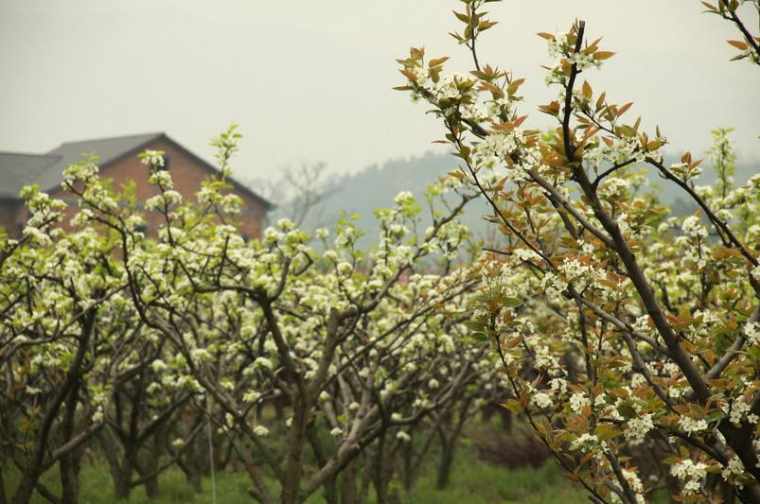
<point x="156" y="351"/>
<point x="630" y="337"/>
<point x="627" y="338"/>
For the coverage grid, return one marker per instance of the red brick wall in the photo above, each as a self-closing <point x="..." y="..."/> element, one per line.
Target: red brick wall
<point x="9" y="216"/>
<point x="187" y="174"/>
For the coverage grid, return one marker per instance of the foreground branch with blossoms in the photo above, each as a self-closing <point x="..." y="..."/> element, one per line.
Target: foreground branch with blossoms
<point x="629" y="336"/>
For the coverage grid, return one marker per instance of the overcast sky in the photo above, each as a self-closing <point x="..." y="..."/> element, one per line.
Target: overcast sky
<point x="311" y="80"/>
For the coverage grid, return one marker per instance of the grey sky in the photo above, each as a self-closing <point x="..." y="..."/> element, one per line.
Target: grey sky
<point x="311" y="80"/>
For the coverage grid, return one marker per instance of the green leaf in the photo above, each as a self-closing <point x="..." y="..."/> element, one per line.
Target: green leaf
<point x="462" y="17"/>
<point x="513" y="405"/>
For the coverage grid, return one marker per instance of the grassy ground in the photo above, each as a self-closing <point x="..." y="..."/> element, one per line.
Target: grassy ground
<point x="473" y="482"/>
<point x="476" y="482"/>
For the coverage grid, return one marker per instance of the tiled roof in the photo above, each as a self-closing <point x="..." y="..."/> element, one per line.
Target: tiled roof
<point x="18" y="170"/>
<point x="46" y="170"/>
<point x="107" y="150"/>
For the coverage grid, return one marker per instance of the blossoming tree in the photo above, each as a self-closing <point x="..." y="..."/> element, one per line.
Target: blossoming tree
<point x="630" y="337"/>
<point x="66" y="336"/>
<point x="350" y="339"/>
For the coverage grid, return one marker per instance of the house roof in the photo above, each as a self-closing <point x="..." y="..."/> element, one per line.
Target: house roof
<point x="107" y="150"/>
<point x="18" y="169"/>
<point x="46" y="170"/>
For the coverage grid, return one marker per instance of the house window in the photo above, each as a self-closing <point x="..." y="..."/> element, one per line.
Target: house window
<point x="166" y="162"/>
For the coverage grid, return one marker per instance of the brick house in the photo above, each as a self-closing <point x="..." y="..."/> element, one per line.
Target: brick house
<point x="118" y="162"/>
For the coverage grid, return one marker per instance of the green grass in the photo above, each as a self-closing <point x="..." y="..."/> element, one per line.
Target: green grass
<point x="473" y="482"/>
<point x="97" y="488"/>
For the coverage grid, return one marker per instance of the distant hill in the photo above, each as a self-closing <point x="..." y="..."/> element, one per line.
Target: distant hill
<point x="377" y="185"/>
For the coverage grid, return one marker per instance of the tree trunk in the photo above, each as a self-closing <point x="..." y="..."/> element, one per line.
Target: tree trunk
<point x="444" y="466"/>
<point x="291" y="487"/>
<point x="69" y="467"/>
<point x="506" y="419"/>
<point x="279" y="407"/>
<point x="407" y="454"/>
<point x="68" y="390"/>
<point x="394" y="496"/>
<point x="189" y="464"/>
<point x="25" y="489"/>
<point x="225" y="460"/>
<point x="331" y="491"/>
<point x="152" y="488"/>
<point x="121" y="470"/>
<point x="449" y="440"/>
<point x="3" y="497"/>
<point x="348" y="490"/>
<point x="382" y="473"/>
<point x="446" y="457"/>
<point x="148" y="471"/>
<point x="381" y="490"/>
<point x="196" y="481"/>
<point x="366" y="478"/>
<point x="149" y="463"/>
<point x="122" y="481"/>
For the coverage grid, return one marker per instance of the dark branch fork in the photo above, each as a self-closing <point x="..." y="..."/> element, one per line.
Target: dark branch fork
<point x="733" y="17"/>
<point x="738" y="439"/>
